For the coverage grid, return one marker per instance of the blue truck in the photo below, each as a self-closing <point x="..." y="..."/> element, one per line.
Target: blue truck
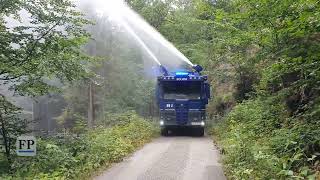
<point x="182" y="98"/>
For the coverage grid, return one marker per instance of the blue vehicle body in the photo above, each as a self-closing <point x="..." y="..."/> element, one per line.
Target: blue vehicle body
<point x="182" y="98"/>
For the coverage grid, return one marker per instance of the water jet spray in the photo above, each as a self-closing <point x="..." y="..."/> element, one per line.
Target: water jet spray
<point x="144" y="46"/>
<point x="154" y="34"/>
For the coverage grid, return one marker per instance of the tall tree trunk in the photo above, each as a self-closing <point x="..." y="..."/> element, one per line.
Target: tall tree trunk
<point x="5" y="139"/>
<point x="91" y="106"/>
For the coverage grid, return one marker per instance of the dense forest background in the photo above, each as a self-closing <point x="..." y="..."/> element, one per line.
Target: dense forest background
<point x="262" y="58"/>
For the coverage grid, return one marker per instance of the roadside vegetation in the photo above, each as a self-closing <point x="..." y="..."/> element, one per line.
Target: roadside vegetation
<point x="272" y="130"/>
<point x="70" y="156"/>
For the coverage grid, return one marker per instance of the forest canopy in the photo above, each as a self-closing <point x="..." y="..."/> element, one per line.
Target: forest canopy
<point x="262" y="59"/>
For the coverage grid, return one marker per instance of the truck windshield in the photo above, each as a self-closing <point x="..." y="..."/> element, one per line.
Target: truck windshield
<point x="181" y="90"/>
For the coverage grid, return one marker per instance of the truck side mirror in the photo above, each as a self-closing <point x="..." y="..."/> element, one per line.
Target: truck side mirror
<point x="207" y="88"/>
<point x="157" y="93"/>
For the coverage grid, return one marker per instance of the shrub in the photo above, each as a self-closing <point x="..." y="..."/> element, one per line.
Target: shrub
<point x="261" y="141"/>
<point x="76" y="157"/>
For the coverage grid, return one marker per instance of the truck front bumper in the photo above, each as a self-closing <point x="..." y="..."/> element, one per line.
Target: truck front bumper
<point x="189" y="124"/>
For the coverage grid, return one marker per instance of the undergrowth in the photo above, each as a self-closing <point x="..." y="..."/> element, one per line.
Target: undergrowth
<point x="260" y="140"/>
<point x="79" y="157"/>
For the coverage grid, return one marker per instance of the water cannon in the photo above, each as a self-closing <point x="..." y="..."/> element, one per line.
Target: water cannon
<point x="164" y="70"/>
<point x="197" y="68"/>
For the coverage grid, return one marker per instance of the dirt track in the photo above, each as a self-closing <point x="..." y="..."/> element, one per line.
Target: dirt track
<point x="170" y="158"/>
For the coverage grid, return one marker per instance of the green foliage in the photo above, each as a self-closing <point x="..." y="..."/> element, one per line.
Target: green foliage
<point x="47" y="46"/>
<point x="268" y="51"/>
<point x="266" y="55"/>
<point x="113" y="119"/>
<point x="72" y="121"/>
<point x="261" y="140"/>
<point x="263" y="55"/>
<point x="74" y="157"/>
<point x="41" y="42"/>
<point x="11" y="126"/>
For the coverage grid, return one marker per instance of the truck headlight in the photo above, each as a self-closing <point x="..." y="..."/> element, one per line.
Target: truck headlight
<point x="202" y="123"/>
<point x="161" y="123"/>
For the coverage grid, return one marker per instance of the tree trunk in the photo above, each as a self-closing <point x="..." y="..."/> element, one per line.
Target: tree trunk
<point x="91" y="106"/>
<point x="5" y="140"/>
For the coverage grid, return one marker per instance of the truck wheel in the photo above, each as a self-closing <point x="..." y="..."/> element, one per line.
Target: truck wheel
<point x="164" y="132"/>
<point x="201" y="132"/>
<point x="198" y="132"/>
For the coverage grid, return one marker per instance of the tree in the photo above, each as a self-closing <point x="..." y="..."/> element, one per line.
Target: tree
<point x="43" y="48"/>
<point x="48" y="46"/>
<point x="11" y="125"/>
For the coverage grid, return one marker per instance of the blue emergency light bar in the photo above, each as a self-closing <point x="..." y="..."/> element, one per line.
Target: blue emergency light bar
<point x="182" y="73"/>
<point x="197" y="68"/>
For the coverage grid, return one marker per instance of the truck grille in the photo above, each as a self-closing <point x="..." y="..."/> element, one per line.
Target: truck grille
<point x="168" y="115"/>
<point x="181" y="113"/>
<point x="194" y="115"/>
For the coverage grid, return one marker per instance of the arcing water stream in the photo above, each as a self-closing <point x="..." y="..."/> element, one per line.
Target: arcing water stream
<point x="143" y="45"/>
<point x="134" y="18"/>
<point x="149" y="39"/>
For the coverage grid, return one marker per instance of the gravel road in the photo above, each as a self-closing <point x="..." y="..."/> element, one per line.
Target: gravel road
<point x="170" y="158"/>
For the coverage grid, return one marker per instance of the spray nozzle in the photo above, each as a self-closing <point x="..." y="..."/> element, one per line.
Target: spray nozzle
<point x="164" y="70"/>
<point x="197" y="68"/>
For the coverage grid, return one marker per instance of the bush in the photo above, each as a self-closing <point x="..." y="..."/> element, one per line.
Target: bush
<point x="261" y="141"/>
<point x="78" y="157"/>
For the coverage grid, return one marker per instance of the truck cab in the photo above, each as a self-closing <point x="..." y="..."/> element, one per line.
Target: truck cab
<point x="182" y="98"/>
